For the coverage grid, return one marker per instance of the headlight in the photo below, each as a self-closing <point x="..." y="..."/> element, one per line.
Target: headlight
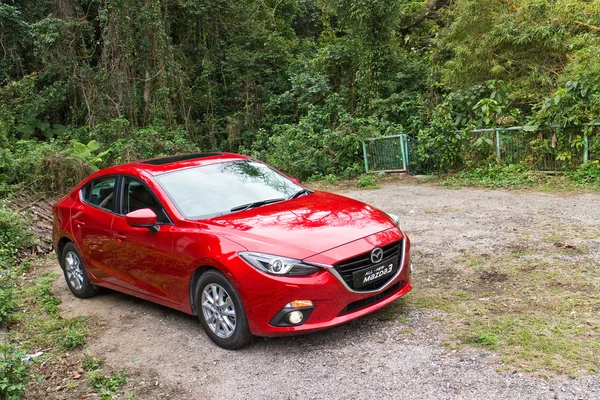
<point x="277" y="265"/>
<point x="395" y="218"/>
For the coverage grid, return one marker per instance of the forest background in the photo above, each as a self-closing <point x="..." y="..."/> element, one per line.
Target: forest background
<point x="296" y="83"/>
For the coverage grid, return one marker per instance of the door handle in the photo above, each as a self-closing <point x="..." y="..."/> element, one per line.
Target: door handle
<point x="79" y="223"/>
<point x="120" y="237"/>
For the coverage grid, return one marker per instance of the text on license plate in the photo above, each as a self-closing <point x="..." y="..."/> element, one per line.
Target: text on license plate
<point x="373" y="274"/>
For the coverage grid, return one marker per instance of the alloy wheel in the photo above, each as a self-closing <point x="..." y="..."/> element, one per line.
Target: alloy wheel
<point x="218" y="310"/>
<point x="74" y="270"/>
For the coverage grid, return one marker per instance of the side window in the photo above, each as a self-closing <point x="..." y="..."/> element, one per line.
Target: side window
<point x="85" y="192"/>
<point x="138" y="196"/>
<point x="102" y="193"/>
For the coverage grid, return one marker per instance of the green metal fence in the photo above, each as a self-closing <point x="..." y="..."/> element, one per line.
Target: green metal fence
<point x="545" y="149"/>
<point x="593" y="146"/>
<point x="386" y="154"/>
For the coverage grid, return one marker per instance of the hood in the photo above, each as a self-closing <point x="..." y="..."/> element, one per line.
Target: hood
<point x="301" y="227"/>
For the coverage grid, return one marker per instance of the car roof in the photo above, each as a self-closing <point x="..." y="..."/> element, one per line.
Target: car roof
<point x="161" y="165"/>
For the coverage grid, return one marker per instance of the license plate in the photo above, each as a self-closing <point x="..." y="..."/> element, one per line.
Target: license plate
<point x="375" y="273"/>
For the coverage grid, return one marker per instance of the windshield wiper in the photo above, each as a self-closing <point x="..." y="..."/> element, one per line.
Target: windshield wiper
<point x="248" y="206"/>
<point x="300" y="193"/>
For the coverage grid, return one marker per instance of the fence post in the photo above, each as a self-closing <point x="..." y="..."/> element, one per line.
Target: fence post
<point x="586" y="148"/>
<point x="365" y="153"/>
<point x="406" y="152"/>
<point x="498" y="144"/>
<point x="403" y="150"/>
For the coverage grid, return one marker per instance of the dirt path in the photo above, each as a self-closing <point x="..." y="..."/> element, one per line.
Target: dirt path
<point x="379" y="356"/>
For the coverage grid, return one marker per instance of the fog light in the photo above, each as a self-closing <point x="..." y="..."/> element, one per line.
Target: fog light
<point x="295" y="317"/>
<point x="295" y="313"/>
<point x="299" y="304"/>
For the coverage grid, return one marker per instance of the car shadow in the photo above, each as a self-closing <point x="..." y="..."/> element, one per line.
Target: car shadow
<point x="128" y="312"/>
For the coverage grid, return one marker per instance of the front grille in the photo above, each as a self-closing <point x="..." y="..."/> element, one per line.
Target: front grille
<point x="347" y="267"/>
<point x="357" y="305"/>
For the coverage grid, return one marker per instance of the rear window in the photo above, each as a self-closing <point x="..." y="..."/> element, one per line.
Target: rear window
<point x="86" y="192"/>
<point x="100" y="193"/>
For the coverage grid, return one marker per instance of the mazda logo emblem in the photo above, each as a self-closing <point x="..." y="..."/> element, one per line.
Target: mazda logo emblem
<point x="376" y="255"/>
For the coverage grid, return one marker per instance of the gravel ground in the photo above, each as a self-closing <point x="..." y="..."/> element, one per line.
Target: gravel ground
<point x="375" y="356"/>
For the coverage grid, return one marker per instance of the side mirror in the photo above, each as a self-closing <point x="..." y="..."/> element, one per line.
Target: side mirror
<point x="295" y="180"/>
<point x="142" y="218"/>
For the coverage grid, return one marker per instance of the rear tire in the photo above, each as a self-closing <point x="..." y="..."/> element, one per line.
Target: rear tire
<point x="76" y="273"/>
<point x="221" y="312"/>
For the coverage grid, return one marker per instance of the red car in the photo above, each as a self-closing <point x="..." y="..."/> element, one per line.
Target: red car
<point x="232" y="240"/>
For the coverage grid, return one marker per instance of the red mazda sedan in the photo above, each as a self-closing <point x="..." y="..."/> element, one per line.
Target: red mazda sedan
<point x="225" y="237"/>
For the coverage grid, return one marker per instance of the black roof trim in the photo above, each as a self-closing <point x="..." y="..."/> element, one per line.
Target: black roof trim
<point x="181" y="157"/>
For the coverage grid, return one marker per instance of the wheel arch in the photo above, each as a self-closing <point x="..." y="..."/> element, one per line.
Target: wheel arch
<point x="60" y="246"/>
<point x="211" y="265"/>
<point x="198" y="272"/>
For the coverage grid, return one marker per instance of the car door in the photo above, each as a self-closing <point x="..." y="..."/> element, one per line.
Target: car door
<point x="91" y="222"/>
<point x="144" y="258"/>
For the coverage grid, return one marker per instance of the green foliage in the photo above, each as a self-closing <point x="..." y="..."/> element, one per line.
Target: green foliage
<point x="330" y="179"/>
<point x="516" y="42"/>
<point x="44" y="296"/>
<point x="587" y="175"/>
<point x="366" y="182"/>
<point x="89" y="152"/>
<point x="15" y="235"/>
<point x="72" y="334"/>
<point x="7" y="304"/>
<point x="152" y="141"/>
<point x="14" y="373"/>
<point x="514" y="176"/>
<point x="370" y="24"/>
<point x="92" y="363"/>
<point x="441" y="142"/>
<point x="15" y="32"/>
<point x="296" y="82"/>
<point x="107" y="386"/>
<point x="325" y="141"/>
<point x="496" y="175"/>
<point x="29" y="164"/>
<point x="575" y="103"/>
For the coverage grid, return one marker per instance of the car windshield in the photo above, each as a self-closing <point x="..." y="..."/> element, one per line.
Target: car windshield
<point x="218" y="189"/>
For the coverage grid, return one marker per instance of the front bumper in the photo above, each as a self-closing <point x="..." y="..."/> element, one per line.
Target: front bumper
<point x="266" y="295"/>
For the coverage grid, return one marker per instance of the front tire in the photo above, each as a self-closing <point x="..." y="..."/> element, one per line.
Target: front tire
<point x="221" y="312"/>
<point x="76" y="273"/>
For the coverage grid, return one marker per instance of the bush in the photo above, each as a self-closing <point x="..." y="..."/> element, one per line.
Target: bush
<point x="14" y="373"/>
<point x="61" y="172"/>
<point x="440" y="142"/>
<point x="367" y="182"/>
<point x="7" y="305"/>
<point x="326" y="141"/>
<point x="56" y="166"/>
<point x="153" y="141"/>
<point x="21" y="162"/>
<point x="44" y="167"/>
<point x="586" y="174"/>
<point x="497" y="175"/>
<point x="15" y="234"/>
